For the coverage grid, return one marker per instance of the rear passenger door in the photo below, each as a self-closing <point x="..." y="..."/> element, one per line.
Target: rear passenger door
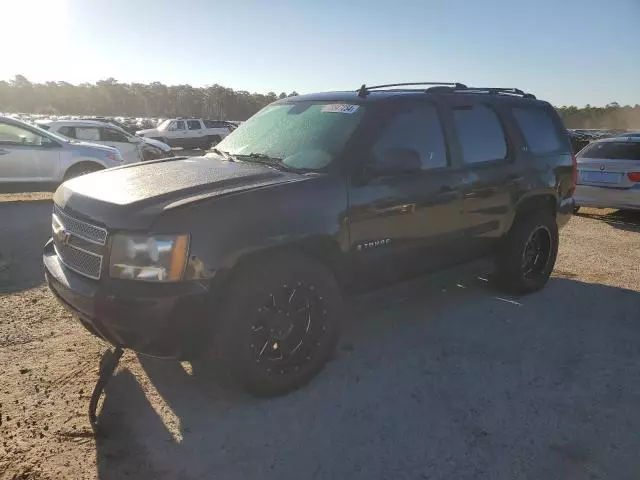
<point x="490" y="172"/>
<point x="407" y="223"/>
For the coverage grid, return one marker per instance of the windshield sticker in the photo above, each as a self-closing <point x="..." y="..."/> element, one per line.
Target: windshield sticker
<point x="340" y="108"/>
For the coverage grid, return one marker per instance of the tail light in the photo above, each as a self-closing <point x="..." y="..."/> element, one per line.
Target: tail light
<point x="634" y="176"/>
<point x="574" y="174"/>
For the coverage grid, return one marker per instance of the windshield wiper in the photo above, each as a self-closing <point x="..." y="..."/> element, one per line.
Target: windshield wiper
<point x="223" y="154"/>
<point x="270" y="161"/>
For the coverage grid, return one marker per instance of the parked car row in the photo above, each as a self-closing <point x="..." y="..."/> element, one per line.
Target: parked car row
<point x="189" y="132"/>
<point x="132" y="148"/>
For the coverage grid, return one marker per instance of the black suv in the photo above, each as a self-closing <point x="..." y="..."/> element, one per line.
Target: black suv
<point x="247" y="251"/>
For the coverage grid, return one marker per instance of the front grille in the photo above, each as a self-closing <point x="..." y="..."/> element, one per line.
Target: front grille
<point x="81" y="229"/>
<point x="80" y="245"/>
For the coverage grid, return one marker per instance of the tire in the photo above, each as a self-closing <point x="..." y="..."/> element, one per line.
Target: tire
<point x="529" y="253"/>
<point x="265" y="351"/>
<point x="210" y="142"/>
<point x="576" y="209"/>
<point x="81" y="169"/>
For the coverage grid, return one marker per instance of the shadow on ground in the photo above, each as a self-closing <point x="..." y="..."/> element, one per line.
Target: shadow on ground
<point x="628" y="220"/>
<point x="448" y="380"/>
<point x="24" y="229"/>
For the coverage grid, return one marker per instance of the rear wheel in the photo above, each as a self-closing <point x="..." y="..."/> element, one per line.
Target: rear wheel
<point x="529" y="253"/>
<point x="279" y="324"/>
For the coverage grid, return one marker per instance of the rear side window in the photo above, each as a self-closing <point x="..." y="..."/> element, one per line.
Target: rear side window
<point x="612" y="151"/>
<point x="418" y="129"/>
<point x="538" y="129"/>
<point x="480" y="134"/>
<point x="193" y="124"/>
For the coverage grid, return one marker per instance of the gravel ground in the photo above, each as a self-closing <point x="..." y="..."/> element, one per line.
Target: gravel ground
<point x="446" y="378"/>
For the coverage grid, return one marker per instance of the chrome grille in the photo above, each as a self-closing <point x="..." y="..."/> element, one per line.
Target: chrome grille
<point x="81" y="229"/>
<point x="80" y="245"/>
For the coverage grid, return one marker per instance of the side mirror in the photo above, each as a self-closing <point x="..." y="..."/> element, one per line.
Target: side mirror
<point x="395" y="161"/>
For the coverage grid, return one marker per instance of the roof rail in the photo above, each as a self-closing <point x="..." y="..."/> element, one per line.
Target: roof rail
<point x="488" y="90"/>
<point x="363" y="91"/>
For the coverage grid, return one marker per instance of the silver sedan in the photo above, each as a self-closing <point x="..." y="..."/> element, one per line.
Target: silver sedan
<point x="609" y="174"/>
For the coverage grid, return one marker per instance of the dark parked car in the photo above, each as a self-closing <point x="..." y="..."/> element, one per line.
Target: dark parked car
<point x="248" y="251"/>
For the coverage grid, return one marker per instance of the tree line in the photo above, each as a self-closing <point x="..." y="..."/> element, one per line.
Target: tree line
<point x="110" y="97"/>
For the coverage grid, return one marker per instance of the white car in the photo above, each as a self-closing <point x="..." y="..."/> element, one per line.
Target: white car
<point x="188" y="132"/>
<point x="133" y="148"/>
<point x="32" y="159"/>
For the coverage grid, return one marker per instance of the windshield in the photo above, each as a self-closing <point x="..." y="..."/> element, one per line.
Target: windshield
<point x="163" y="125"/>
<point x="300" y="135"/>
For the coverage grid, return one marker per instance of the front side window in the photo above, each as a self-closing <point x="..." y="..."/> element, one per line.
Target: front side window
<point x="194" y="124"/>
<point x="419" y="130"/>
<point x="178" y="125"/>
<point x="538" y="129"/>
<point x="298" y="135"/>
<point x="110" y="135"/>
<point x="612" y="151"/>
<point x="67" y="131"/>
<point x="480" y="134"/>
<point x="16" y="135"/>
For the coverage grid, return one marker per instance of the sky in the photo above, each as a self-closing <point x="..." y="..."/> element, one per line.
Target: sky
<point x="568" y="52"/>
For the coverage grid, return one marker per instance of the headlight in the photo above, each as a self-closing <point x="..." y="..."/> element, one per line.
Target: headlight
<point x="158" y="258"/>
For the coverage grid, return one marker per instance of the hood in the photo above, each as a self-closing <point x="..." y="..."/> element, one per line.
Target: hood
<point x="157" y="143"/>
<point x="132" y="196"/>
<point x="95" y="146"/>
<point x="147" y="131"/>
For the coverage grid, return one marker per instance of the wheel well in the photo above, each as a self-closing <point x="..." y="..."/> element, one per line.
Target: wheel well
<point x="536" y="203"/>
<point x="81" y="166"/>
<point x="321" y="249"/>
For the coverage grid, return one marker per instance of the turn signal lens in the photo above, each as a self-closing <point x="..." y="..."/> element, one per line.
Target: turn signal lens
<point x="634" y="176"/>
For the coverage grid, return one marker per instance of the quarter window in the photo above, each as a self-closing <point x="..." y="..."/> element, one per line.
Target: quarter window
<point x="480" y="134"/>
<point x="194" y="124"/>
<point x="538" y="129"/>
<point x="419" y="130"/>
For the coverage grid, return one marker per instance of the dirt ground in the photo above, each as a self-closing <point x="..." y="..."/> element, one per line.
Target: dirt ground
<point x="446" y="378"/>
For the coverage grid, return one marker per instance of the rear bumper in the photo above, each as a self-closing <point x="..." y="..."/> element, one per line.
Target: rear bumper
<point x="162" y="320"/>
<point x="606" y="197"/>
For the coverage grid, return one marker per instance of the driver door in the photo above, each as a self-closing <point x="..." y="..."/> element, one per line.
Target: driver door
<point x="114" y="138"/>
<point x="176" y="133"/>
<point x="26" y="156"/>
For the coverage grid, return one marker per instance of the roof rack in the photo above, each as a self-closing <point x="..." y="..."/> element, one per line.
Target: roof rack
<point x="363" y="91"/>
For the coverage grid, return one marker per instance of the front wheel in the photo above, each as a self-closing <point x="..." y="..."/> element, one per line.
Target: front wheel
<point x="529" y="253"/>
<point x="279" y="324"/>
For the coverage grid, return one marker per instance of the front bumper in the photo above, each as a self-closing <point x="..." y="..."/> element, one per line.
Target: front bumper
<point x="162" y="320"/>
<point x="607" y="197"/>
